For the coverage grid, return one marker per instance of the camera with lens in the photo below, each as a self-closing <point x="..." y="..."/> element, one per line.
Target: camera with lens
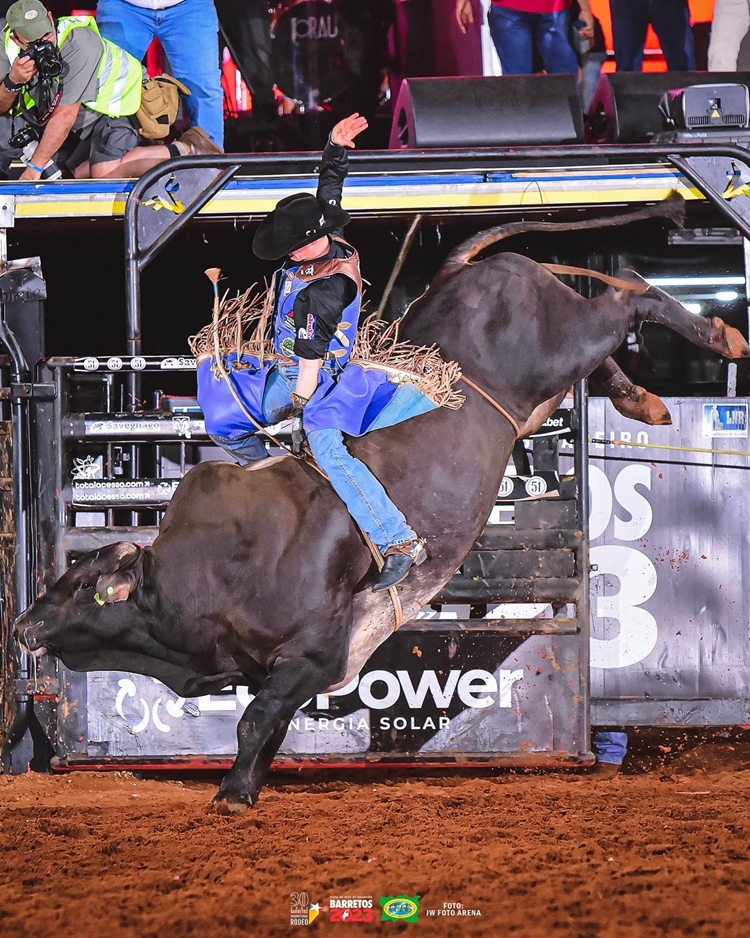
<point x="24" y="137"/>
<point x="45" y="56"/>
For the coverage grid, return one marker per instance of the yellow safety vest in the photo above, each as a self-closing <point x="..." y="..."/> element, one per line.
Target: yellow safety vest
<point x="119" y="75"/>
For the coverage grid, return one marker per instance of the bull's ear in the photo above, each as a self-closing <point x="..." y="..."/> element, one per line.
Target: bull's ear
<point x="115" y="587"/>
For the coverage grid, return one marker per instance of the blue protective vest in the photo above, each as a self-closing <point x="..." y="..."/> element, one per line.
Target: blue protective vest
<point x="290" y="281"/>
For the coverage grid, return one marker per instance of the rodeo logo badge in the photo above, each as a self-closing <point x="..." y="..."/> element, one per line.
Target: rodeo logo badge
<point x="301" y="910"/>
<point x="399" y="908"/>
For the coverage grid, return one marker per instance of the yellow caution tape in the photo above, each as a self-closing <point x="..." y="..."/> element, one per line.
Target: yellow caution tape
<point x="676" y="449"/>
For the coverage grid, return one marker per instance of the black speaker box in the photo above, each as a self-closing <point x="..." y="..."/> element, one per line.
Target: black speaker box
<point x="514" y="110"/>
<point x="625" y="106"/>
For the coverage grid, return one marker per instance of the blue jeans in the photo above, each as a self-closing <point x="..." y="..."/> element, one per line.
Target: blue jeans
<point x="671" y="22"/>
<point x="610" y="747"/>
<point x="189" y="33"/>
<point x="364" y="497"/>
<point x="515" y="33"/>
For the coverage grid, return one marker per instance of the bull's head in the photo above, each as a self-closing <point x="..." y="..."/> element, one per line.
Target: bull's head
<point x="75" y="617"/>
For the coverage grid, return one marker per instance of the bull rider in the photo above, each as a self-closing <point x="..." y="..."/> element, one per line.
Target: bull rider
<point x="317" y="298"/>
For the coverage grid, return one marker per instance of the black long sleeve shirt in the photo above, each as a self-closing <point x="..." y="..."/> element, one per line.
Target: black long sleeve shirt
<point x="324" y="300"/>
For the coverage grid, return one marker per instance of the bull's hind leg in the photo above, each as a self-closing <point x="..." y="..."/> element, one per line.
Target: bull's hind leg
<point x="656" y="306"/>
<point x="263" y="725"/>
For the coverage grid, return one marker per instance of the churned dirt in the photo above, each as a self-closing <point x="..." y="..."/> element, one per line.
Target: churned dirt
<point x="662" y="852"/>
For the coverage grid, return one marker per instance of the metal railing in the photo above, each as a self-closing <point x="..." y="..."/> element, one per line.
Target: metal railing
<point x="483" y="159"/>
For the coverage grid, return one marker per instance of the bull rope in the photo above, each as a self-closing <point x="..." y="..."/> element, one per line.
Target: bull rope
<point x="494" y="403"/>
<point x="213" y="274"/>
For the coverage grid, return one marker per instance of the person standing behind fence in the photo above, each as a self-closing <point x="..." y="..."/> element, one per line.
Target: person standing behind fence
<point x="520" y="26"/>
<point x="671" y="22"/>
<point x="189" y="33"/>
<point x="730" y="25"/>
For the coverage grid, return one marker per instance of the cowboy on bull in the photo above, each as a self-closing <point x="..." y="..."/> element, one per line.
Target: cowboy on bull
<point x="317" y="299"/>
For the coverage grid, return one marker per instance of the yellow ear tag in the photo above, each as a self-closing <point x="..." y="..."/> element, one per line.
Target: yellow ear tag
<point x="97" y="598"/>
<point x="110" y="590"/>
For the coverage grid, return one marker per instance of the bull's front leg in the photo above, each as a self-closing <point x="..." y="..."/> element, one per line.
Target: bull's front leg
<point x="263" y="725"/>
<point x="629" y="399"/>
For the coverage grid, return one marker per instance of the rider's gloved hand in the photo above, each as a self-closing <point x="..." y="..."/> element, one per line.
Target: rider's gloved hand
<point x="298" y="431"/>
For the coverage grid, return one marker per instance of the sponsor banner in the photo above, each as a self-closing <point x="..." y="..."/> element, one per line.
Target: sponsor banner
<point x="426" y="692"/>
<point x="670" y="559"/>
<point x="85" y="492"/>
<point x="177" y="425"/>
<point x="559" y="424"/>
<point x="725" y="420"/>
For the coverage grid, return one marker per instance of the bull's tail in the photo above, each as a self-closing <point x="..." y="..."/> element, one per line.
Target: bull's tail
<point x="672" y="209"/>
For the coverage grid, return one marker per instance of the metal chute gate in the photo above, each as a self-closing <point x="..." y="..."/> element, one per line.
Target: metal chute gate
<point x="471" y="679"/>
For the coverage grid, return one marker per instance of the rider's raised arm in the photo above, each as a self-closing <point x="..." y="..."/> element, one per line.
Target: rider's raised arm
<point x="334" y="164"/>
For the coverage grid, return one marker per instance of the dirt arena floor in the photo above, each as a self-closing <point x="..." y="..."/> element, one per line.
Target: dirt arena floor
<point x="661" y="851"/>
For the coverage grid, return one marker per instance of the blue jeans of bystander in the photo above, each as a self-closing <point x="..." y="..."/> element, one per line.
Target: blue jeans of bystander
<point x="189" y="33"/>
<point x="515" y="33"/>
<point x="671" y="22"/>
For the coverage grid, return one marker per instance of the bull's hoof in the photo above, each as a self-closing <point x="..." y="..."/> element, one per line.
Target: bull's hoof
<point x="730" y="343"/>
<point x="645" y="407"/>
<point x="226" y="802"/>
<point x="227" y="808"/>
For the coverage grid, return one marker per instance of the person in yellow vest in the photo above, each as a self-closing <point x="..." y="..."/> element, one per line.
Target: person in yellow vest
<point x="77" y="95"/>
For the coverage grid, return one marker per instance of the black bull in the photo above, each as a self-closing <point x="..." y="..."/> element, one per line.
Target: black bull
<point x="261" y="578"/>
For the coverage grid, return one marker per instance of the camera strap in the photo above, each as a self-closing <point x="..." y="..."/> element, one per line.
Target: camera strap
<point x="41" y="112"/>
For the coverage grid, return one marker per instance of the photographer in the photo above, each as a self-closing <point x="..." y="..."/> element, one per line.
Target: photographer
<point x="75" y="93"/>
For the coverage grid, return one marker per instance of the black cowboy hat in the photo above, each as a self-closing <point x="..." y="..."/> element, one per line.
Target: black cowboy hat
<point x="296" y="221"/>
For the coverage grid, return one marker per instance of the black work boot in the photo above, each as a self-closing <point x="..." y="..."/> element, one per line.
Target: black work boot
<point x="398" y="562"/>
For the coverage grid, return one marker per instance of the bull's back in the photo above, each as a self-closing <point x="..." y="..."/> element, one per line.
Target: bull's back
<point x="216" y="493"/>
<point x="495" y="301"/>
<point x="221" y="510"/>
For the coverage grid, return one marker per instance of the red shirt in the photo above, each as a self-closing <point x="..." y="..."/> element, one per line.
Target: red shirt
<point x="534" y="6"/>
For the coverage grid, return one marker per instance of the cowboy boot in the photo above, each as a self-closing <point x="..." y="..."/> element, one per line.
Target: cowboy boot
<point x="398" y="562"/>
